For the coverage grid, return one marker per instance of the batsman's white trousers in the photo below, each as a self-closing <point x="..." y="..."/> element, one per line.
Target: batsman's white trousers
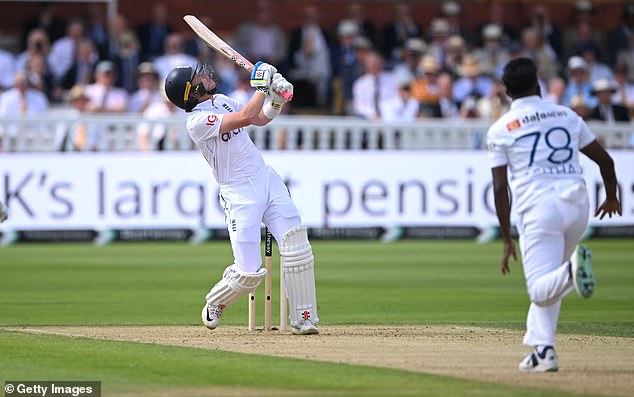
<point x="549" y="233"/>
<point x="263" y="198"/>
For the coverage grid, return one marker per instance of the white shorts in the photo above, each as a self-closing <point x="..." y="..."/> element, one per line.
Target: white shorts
<point x="263" y="198"/>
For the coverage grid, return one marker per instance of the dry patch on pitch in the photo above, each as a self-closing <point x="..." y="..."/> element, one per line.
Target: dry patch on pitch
<point x="597" y="365"/>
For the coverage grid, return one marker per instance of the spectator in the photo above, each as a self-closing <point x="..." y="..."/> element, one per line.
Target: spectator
<point x="579" y="105"/>
<point x="579" y="83"/>
<point x="46" y="20"/>
<point x="497" y="16"/>
<point x="550" y="33"/>
<point x="155" y="134"/>
<point x="309" y="60"/>
<point x="395" y="33"/>
<point x="104" y="96"/>
<point x="23" y="101"/>
<point x="37" y="44"/>
<point x="596" y="69"/>
<point x="472" y="83"/>
<point x="40" y="77"/>
<point x="262" y="39"/>
<point x="619" y="37"/>
<point x="424" y="88"/>
<point x="493" y="55"/>
<point x="153" y="33"/>
<point x="373" y="88"/>
<point x="346" y="67"/>
<point x="148" y="91"/>
<point x="624" y="94"/>
<point x="556" y="90"/>
<point x="455" y="52"/>
<point x="438" y="36"/>
<point x="582" y="30"/>
<point x="448" y="107"/>
<point x="403" y="107"/>
<point x="173" y="56"/>
<point x="76" y="133"/>
<point x="495" y="104"/>
<point x="117" y="26"/>
<point x="605" y="110"/>
<point x="64" y="49"/>
<point x="536" y="48"/>
<point x="411" y="54"/>
<point x="364" y="27"/>
<point x="196" y="47"/>
<point x="7" y="69"/>
<point x="81" y="71"/>
<point x="96" y="25"/>
<point x="452" y="13"/>
<point x="626" y="57"/>
<point x="127" y="61"/>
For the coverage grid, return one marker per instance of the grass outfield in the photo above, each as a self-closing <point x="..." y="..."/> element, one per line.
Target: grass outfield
<point x="408" y="282"/>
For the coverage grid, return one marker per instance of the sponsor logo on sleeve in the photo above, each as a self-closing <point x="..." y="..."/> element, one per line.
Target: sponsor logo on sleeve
<point x="513" y="125"/>
<point x="211" y="120"/>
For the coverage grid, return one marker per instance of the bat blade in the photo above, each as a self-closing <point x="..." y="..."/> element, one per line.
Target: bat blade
<point x="221" y="46"/>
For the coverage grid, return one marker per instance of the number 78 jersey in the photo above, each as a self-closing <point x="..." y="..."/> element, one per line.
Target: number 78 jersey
<point x="539" y="141"/>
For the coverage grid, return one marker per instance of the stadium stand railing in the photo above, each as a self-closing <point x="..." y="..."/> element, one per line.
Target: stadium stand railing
<point x="119" y="132"/>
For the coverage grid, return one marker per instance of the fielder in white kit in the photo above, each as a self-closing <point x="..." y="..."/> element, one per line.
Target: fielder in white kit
<point x="251" y="192"/>
<point x="539" y="142"/>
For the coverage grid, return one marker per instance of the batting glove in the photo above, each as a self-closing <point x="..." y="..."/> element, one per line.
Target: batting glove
<point x="261" y="76"/>
<point x="280" y="86"/>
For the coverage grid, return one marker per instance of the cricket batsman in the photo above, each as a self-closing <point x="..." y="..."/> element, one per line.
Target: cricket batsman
<point x="251" y="192"/>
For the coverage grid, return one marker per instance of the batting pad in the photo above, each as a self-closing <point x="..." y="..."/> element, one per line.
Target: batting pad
<point x="234" y="284"/>
<point x="299" y="275"/>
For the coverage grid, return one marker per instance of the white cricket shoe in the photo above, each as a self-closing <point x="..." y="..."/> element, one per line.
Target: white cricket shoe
<point x="581" y="269"/>
<point x="546" y="361"/>
<point x="211" y="315"/>
<point x="305" y="327"/>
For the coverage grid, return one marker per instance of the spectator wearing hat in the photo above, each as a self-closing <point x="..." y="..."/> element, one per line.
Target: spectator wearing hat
<point x="152" y="134"/>
<point x="346" y="67"/>
<point x="396" y="32"/>
<point x="493" y="55"/>
<point x="605" y="110"/>
<point x="578" y="105"/>
<point x="127" y="61"/>
<point x="438" y="36"/>
<point x="406" y="68"/>
<point x="75" y="133"/>
<point x="451" y="11"/>
<point x="497" y="16"/>
<point x="425" y="89"/>
<point x="550" y="33"/>
<point x="472" y="83"/>
<point x="455" y="52"/>
<point x="148" y="88"/>
<point x="536" y="48"/>
<point x="355" y="13"/>
<point x="104" y="96"/>
<point x="579" y="83"/>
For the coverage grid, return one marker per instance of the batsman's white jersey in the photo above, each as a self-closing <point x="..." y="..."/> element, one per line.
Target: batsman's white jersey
<point x="251" y="192"/>
<point x="232" y="156"/>
<point x="539" y="142"/>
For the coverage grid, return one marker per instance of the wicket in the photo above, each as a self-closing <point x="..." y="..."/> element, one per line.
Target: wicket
<point x="268" y="290"/>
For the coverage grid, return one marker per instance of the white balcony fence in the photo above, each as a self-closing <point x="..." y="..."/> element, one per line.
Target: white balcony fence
<point x="124" y="132"/>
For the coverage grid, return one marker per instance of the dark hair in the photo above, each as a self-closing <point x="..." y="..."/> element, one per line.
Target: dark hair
<point x="520" y="77"/>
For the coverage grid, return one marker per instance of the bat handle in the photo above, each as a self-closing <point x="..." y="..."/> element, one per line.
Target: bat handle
<point x="287" y="95"/>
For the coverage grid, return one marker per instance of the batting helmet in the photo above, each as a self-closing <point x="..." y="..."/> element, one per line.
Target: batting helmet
<point x="179" y="88"/>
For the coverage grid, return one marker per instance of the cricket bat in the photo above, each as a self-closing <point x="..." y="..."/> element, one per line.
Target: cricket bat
<point x="225" y="49"/>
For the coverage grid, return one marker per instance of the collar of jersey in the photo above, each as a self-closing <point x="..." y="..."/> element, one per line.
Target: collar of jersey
<point x="525" y="99"/>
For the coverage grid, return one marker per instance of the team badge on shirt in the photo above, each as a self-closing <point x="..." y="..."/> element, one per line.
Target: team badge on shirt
<point x="513" y="125"/>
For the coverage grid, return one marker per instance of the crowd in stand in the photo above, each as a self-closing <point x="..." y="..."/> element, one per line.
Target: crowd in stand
<point x="401" y="71"/>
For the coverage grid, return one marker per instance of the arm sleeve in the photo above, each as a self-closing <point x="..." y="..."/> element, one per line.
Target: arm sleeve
<point x="203" y="126"/>
<point x="496" y="150"/>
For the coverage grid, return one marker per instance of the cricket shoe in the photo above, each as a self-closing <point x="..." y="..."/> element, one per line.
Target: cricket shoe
<point x="211" y="315"/>
<point x="546" y="361"/>
<point x="305" y="327"/>
<point x="581" y="270"/>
